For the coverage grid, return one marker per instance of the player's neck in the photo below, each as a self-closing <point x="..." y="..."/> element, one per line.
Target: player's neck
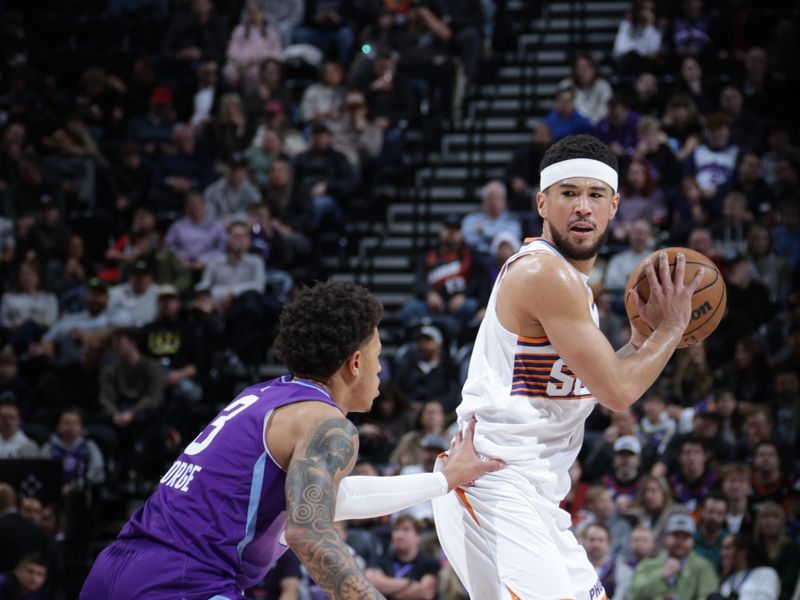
<point x="584" y="266"/>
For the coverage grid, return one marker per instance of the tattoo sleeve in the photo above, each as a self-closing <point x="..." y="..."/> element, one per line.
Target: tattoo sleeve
<point x="310" y="502"/>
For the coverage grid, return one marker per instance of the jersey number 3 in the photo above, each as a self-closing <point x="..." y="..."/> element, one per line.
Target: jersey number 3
<point x="567" y="384"/>
<point x="208" y="435"/>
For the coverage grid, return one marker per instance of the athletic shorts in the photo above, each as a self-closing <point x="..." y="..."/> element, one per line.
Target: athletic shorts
<point x="137" y="569"/>
<point x="505" y="542"/>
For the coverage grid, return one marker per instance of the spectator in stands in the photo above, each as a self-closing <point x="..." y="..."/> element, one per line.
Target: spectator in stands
<point x="638" y="40"/>
<point x="592" y="92"/>
<point x="619" y="127"/>
<point x="447" y="281"/>
<point x="693" y="379"/>
<point x="786" y="234"/>
<point x="131" y="181"/>
<point x="12" y="386"/>
<point x="644" y="199"/>
<point x="653" y="148"/>
<point x="131" y="390"/>
<point x="13" y="441"/>
<point x="522" y="174"/>
<point x="656" y="426"/>
<point x="138" y="296"/>
<point x="327" y="26"/>
<point x="689" y="32"/>
<point x="678" y="571"/>
<point x="404" y="570"/>
<point x="623" y="478"/>
<point x="18" y="536"/>
<point x="622" y="264"/>
<point x="785" y="406"/>
<point x="67" y="279"/>
<point x="167" y="268"/>
<point x="600" y="508"/>
<point x="80" y="457"/>
<point x="252" y="41"/>
<point x="277" y="119"/>
<point x="764" y="92"/>
<point x="563" y="119"/>
<point x="390" y="95"/>
<point x="281" y="248"/>
<point x="745" y="570"/>
<point x="230" y="133"/>
<point x="323" y="101"/>
<point x="694" y="478"/>
<point x="27" y="580"/>
<point x="783" y="553"/>
<point x="693" y="84"/>
<point x="769" y="482"/>
<point x="779" y="147"/>
<point x="27" y="310"/>
<point x="156" y="126"/>
<point x="735" y="485"/>
<point x="31" y="508"/>
<point x="747" y="130"/>
<point x="758" y="427"/>
<point x="260" y="157"/>
<point x="278" y="194"/>
<point x="323" y="179"/>
<point x="613" y="573"/>
<point x="653" y="504"/>
<point x="172" y="341"/>
<point x="713" y="163"/>
<point x="195" y="238"/>
<point x="48" y="236"/>
<point x="748" y="181"/>
<point x="270" y="87"/>
<point x="198" y="107"/>
<point x="682" y="125"/>
<point x="711" y="528"/>
<point x="480" y="228"/>
<point x="231" y="196"/>
<point x="66" y="337"/>
<point x="355" y="135"/>
<point x="647" y="98"/>
<point x="70" y="166"/>
<point x="383" y="426"/>
<point x="408" y="450"/>
<point x="641" y="546"/>
<point x="730" y="416"/>
<point x="195" y="35"/>
<point x="601" y="454"/>
<point x="182" y="168"/>
<point x="425" y="371"/>
<point x="745" y="295"/>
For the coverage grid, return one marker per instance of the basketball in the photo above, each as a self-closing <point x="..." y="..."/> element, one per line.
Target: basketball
<point x="708" y="301"/>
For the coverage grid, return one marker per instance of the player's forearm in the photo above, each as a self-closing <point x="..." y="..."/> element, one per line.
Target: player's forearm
<point x="368" y="497"/>
<point x="639" y="369"/>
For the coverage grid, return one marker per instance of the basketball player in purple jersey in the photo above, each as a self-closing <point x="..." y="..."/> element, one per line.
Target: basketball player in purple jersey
<point x="272" y="465"/>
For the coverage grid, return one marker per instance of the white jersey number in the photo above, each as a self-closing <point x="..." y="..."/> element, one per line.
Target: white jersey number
<point x="567" y="383"/>
<point x="235" y="407"/>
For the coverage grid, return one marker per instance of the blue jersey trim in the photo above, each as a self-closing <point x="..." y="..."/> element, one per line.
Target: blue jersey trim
<point x="252" y="506"/>
<point x="310" y="385"/>
<point x="218" y="597"/>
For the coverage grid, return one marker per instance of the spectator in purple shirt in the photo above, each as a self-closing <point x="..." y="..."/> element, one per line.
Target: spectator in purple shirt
<point x="195" y="238"/>
<point x="619" y="128"/>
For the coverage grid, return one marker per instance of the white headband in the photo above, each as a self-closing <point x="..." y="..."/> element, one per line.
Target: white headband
<point x="578" y="167"/>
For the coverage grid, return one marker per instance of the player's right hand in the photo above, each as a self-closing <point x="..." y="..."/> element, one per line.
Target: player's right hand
<point x="670" y="303"/>
<point x="462" y="465"/>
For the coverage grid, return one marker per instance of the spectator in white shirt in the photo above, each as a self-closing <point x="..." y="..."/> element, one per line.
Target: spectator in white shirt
<point x="138" y="297"/>
<point x="13" y="441"/>
<point x="638" y="41"/>
<point x="745" y="571"/>
<point x="27" y="311"/>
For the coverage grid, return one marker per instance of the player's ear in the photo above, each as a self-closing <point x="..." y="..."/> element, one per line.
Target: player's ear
<point x="614" y="205"/>
<point x="353" y="363"/>
<point x="540" y="206"/>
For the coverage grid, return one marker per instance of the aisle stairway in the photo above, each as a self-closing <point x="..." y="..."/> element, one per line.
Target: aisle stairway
<point x="496" y="120"/>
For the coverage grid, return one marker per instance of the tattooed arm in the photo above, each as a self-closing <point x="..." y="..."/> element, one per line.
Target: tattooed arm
<point x="318" y="463"/>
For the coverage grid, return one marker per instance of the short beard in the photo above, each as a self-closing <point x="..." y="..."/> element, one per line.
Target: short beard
<point x="569" y="251"/>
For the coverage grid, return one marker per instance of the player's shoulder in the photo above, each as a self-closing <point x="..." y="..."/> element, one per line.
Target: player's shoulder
<point x="540" y="268"/>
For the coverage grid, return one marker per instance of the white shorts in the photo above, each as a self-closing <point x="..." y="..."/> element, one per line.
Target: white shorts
<point x="505" y="542"/>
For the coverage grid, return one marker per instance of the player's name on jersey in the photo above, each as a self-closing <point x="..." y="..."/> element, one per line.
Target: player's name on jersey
<point x="180" y="475"/>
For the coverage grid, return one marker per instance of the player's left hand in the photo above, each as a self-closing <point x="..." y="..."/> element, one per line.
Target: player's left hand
<point x="463" y="465"/>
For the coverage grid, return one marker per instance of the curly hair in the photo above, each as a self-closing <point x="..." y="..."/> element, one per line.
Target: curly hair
<point x="578" y="146"/>
<point x="323" y="325"/>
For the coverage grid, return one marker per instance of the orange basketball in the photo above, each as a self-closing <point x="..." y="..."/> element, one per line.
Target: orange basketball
<point x="708" y="301"/>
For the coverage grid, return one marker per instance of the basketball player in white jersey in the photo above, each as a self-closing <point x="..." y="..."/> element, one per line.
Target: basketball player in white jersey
<point x="539" y="366"/>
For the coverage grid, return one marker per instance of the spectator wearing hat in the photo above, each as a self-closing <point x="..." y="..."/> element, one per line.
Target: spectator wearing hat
<point x="735" y="485"/>
<point x="156" y="126"/>
<point x="711" y="529"/>
<point x="425" y="370"/>
<point x="171" y="341"/>
<point x="404" y="572"/>
<point x="678" y="572"/>
<point x="229" y="197"/>
<point x="447" y="283"/>
<point x="323" y="180"/>
<point x="480" y="227"/>
<point x="504" y="245"/>
<point x="138" y="296"/>
<point x="623" y="479"/>
<point x="66" y="338"/>
<point x="13" y="441"/>
<point x="196" y="239"/>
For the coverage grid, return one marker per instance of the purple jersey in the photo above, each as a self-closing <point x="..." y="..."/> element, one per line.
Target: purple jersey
<point x="223" y="502"/>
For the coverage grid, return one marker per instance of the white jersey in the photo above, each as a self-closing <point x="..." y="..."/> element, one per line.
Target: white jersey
<point x="529" y="405"/>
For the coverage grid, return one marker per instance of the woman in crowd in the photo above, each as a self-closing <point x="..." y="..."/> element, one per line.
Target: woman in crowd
<point x="782" y="552"/>
<point x="253" y="41"/>
<point x="26" y="311"/>
<point x="592" y="92"/>
<point x="409" y="449"/>
<point x="746" y="573"/>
